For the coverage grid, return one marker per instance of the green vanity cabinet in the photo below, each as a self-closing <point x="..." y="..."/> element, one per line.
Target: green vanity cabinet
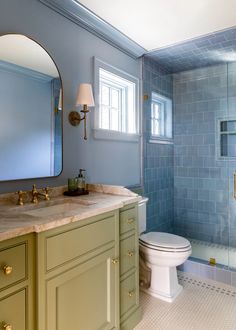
<point x="78" y="285"/>
<point x="17" y="308"/>
<point x="130" y="312"/>
<point x="82" y="276"/>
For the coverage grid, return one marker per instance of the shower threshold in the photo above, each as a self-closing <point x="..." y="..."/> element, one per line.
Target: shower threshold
<point x="198" y="264"/>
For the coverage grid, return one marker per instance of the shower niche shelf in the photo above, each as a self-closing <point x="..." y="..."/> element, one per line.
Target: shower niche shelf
<point x="228" y="138"/>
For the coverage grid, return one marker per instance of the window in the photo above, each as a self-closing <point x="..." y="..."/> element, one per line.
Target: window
<point x="117" y="110"/>
<point x="161" y="118"/>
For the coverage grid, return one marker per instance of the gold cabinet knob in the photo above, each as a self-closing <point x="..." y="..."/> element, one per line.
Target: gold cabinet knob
<point x="131" y="293"/>
<point x="115" y="261"/>
<point x="7" y="326"/>
<point x="7" y="270"/>
<point x="130" y="253"/>
<point x="131" y="220"/>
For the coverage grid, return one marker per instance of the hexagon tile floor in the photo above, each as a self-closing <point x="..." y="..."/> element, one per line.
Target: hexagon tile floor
<point x="202" y="305"/>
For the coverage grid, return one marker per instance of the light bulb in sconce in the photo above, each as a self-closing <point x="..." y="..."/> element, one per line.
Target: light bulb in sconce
<point x="84" y="98"/>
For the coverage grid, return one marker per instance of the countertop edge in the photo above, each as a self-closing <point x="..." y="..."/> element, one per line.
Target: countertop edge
<point x="44" y="226"/>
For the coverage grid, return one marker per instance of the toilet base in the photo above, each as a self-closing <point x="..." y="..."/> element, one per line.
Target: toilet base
<point x="162" y="295"/>
<point x="164" y="283"/>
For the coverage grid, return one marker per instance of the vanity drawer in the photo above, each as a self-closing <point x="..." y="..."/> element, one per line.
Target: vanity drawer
<point x="13" y="263"/>
<point x="13" y="311"/>
<point x="73" y="243"/>
<point x="128" y="219"/>
<point x="127" y="254"/>
<point x="128" y="295"/>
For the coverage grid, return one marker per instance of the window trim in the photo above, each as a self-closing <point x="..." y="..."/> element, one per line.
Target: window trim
<point x="106" y="134"/>
<point x="166" y="102"/>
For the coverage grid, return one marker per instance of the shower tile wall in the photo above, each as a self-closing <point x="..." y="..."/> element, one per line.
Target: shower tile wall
<point x="158" y="158"/>
<point x="232" y="163"/>
<point x="201" y="185"/>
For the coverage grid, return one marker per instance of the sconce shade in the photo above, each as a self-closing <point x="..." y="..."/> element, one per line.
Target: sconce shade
<point x="85" y="95"/>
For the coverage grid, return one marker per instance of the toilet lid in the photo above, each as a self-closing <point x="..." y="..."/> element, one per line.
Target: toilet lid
<point x="164" y="240"/>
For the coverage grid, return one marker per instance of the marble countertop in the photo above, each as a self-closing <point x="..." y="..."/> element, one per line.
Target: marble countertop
<point x="60" y="210"/>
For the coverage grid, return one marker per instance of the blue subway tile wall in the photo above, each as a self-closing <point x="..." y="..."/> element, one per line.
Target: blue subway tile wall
<point x="158" y="158"/>
<point x="212" y="49"/>
<point x="201" y="178"/>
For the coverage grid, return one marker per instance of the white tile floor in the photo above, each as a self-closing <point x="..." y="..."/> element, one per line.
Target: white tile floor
<point x="202" y="305"/>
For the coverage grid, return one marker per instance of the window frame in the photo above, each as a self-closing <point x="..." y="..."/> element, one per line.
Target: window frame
<point x="167" y="113"/>
<point x="101" y="133"/>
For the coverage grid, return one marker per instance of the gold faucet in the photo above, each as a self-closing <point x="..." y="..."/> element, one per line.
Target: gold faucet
<point x="36" y="194"/>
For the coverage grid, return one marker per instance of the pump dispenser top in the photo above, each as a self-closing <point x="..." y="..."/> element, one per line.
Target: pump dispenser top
<point x="81" y="179"/>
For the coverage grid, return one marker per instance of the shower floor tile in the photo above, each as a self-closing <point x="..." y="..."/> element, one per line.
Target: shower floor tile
<point x="202" y="305"/>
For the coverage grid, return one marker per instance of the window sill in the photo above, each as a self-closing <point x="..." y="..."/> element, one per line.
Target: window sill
<point x="103" y="134"/>
<point x="160" y="141"/>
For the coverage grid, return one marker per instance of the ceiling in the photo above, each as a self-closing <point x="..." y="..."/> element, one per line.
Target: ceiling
<point x="156" y="24"/>
<point x="215" y="48"/>
<point x="22" y="51"/>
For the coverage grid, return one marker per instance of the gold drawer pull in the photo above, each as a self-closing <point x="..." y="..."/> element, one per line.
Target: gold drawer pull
<point x="7" y="270"/>
<point x="7" y="326"/>
<point x="131" y="294"/>
<point x="115" y="261"/>
<point x="130" y="253"/>
<point x="131" y="220"/>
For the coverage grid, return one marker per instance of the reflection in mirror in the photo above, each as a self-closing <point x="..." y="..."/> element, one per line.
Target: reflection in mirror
<point x="30" y="110"/>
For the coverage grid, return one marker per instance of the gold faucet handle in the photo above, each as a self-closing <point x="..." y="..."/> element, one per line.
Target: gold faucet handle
<point x="47" y="189"/>
<point x="34" y="194"/>
<point x="20" y="197"/>
<point x="34" y="189"/>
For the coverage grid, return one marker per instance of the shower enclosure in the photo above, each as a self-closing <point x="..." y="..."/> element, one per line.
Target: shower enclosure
<point x="190" y="180"/>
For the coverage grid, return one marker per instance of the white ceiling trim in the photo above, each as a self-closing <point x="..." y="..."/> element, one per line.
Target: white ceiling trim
<point x="80" y="15"/>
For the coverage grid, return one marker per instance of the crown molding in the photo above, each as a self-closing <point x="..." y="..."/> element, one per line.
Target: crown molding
<point x="10" y="67"/>
<point x="83" y="17"/>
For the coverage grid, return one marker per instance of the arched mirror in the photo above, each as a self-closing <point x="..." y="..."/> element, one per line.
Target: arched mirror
<point x="30" y="110"/>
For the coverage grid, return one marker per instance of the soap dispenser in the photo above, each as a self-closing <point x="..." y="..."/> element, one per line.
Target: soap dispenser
<point x="81" y="180"/>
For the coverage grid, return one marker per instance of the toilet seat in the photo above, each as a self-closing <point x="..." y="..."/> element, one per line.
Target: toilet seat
<point x="164" y="242"/>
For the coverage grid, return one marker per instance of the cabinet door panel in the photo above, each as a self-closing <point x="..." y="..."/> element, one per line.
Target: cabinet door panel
<point x="129" y="296"/>
<point x="13" y="310"/>
<point x="128" y="220"/>
<point x="127" y="254"/>
<point x="84" y="297"/>
<point x="14" y="257"/>
<point x="79" y="241"/>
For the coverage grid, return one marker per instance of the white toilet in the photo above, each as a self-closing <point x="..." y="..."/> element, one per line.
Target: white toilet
<point x="162" y="252"/>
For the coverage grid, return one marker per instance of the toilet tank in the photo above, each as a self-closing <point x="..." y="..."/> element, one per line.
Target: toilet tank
<point x="142" y="218"/>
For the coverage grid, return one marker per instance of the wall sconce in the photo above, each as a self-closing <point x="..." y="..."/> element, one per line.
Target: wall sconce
<point x="84" y="98"/>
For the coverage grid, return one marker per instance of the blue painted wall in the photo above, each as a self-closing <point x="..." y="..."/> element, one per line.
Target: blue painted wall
<point x="158" y="158"/>
<point x="22" y="98"/>
<point x="73" y="49"/>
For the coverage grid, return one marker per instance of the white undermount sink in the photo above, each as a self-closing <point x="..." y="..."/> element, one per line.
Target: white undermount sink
<point x="52" y="207"/>
<point x="47" y="211"/>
